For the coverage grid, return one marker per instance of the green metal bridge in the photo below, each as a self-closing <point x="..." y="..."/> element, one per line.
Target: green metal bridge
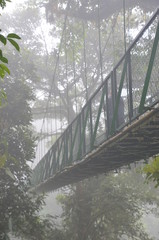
<point x="97" y="141"/>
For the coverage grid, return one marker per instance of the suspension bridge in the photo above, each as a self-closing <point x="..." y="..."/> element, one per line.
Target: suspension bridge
<point x="111" y="130"/>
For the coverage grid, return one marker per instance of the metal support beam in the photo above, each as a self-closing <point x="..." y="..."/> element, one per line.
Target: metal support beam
<point x="98" y="117"/>
<point x="83" y="133"/>
<point x="130" y="107"/>
<point x="149" y="71"/>
<point x="115" y="114"/>
<point x="73" y="142"/>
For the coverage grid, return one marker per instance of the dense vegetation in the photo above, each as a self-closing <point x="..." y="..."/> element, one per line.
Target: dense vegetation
<point x="110" y="206"/>
<point x="19" y="209"/>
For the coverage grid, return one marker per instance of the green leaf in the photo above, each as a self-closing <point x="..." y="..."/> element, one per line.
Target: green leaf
<point x="14" y="43"/>
<point x="8" y="172"/>
<point x="13" y="35"/>
<point x="4" y="68"/>
<point x="3" y="59"/>
<point x="3" y="160"/>
<point x="2" y="73"/>
<point x="3" y="98"/>
<point x="3" y="94"/>
<point x="3" y="39"/>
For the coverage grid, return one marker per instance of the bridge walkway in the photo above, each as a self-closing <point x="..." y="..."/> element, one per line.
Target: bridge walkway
<point x="95" y="143"/>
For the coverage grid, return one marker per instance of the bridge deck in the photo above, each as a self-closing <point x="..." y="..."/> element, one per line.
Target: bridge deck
<point x="139" y="140"/>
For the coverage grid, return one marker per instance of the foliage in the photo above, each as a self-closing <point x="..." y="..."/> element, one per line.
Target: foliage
<point x="88" y="10"/>
<point x="110" y="206"/>
<point x="3" y="3"/>
<point x="152" y="171"/>
<point x="10" y="37"/>
<point x="15" y="141"/>
<point x="17" y="205"/>
<point x="3" y="68"/>
<point x="86" y="206"/>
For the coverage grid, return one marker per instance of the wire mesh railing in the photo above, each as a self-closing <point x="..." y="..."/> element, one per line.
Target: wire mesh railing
<point x="132" y="84"/>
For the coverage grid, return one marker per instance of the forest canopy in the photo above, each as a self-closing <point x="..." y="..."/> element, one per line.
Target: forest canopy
<point x="112" y="205"/>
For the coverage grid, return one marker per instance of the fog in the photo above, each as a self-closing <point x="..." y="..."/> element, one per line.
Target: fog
<point x="68" y="49"/>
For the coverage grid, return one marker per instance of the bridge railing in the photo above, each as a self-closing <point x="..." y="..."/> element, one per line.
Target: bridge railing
<point x="132" y="85"/>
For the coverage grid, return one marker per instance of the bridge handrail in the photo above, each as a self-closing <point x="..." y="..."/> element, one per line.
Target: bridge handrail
<point x="50" y="159"/>
<point x="116" y="66"/>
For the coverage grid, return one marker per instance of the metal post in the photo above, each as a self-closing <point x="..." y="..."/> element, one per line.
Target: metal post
<point x="149" y="70"/>
<point x="130" y="87"/>
<point x="91" y="124"/>
<point x="115" y="114"/>
<point x="74" y="139"/>
<point x="107" y="111"/>
<point x="59" y="148"/>
<point x="98" y="117"/>
<point x="83" y="133"/>
<point x="66" y="147"/>
<point x="83" y="148"/>
<point x="113" y="97"/>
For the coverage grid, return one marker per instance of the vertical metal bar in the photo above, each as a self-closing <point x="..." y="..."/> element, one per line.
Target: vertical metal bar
<point x="104" y="108"/>
<point x="46" y="165"/>
<point x="55" y="163"/>
<point x="71" y="143"/>
<point x="115" y="114"/>
<point x="81" y="124"/>
<point x="130" y="87"/>
<point x="84" y="136"/>
<point x="98" y="117"/>
<point x="41" y="171"/>
<point x="45" y="168"/>
<point x="64" y="151"/>
<point x="66" y="147"/>
<point x="113" y="93"/>
<point x="59" y="149"/>
<point x="74" y="139"/>
<point x="107" y="111"/>
<point x="45" y="175"/>
<point x="114" y="83"/>
<point x="57" y="156"/>
<point x="91" y="124"/>
<point x="115" y="89"/>
<point x="51" y="162"/>
<point x="82" y="133"/>
<point x="149" y="70"/>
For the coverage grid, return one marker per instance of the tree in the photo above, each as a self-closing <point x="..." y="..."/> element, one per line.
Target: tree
<point x="152" y="171"/>
<point x="3" y="3"/>
<point x="10" y="38"/>
<point x="67" y="91"/>
<point x="19" y="209"/>
<point x="17" y="145"/>
<point x="89" y="11"/>
<point x="108" y="207"/>
<point x="17" y="204"/>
